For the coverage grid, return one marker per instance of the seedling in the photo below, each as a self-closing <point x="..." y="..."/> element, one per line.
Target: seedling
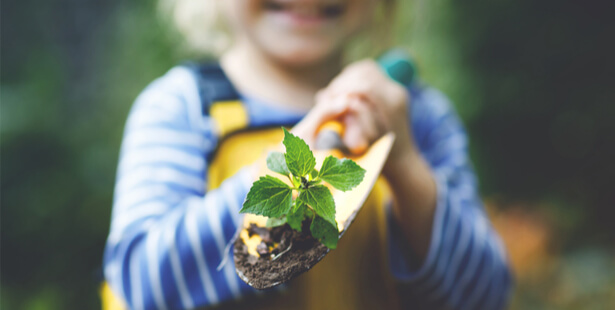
<point x="273" y="198"/>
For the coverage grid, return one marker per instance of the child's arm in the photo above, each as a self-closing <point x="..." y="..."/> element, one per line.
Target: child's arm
<point x="457" y="260"/>
<point x="167" y="235"/>
<point x="465" y="266"/>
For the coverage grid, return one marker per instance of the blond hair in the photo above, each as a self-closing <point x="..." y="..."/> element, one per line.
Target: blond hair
<point x="204" y="30"/>
<point x="200" y="22"/>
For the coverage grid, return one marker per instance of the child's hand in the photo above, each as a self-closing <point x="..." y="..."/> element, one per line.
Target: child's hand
<point x="369" y="104"/>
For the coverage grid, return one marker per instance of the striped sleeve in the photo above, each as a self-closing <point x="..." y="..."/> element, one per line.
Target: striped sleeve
<point x="168" y="235"/>
<point x="466" y="265"/>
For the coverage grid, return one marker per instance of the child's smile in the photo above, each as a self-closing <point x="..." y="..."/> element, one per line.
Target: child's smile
<point x="299" y="32"/>
<point x="304" y="14"/>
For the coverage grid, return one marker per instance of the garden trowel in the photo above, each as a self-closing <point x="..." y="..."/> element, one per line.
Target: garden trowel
<point x="263" y="269"/>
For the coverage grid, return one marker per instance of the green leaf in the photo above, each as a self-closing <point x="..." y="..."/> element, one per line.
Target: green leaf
<point x="320" y="199"/>
<point x="295" y="217"/>
<point x="314" y="174"/>
<point x="343" y="174"/>
<point x="277" y="163"/>
<point x="275" y="221"/>
<point x="268" y="196"/>
<point x="299" y="159"/>
<point x="325" y="232"/>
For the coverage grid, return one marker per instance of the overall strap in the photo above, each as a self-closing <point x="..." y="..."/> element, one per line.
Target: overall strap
<point x="219" y="98"/>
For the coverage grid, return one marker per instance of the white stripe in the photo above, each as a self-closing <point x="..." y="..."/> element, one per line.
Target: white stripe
<point x="214" y="207"/>
<point x="161" y="155"/>
<point x="232" y="279"/>
<point x="447" y="246"/>
<point x="246" y="179"/>
<point x="464" y="239"/>
<point x="135" y="281"/>
<point x="473" y="261"/>
<point x="230" y="193"/>
<point x="496" y="292"/>
<point x="125" y="217"/>
<point x="196" y="245"/>
<point x="164" y="175"/>
<point x="452" y="146"/>
<point x="231" y="196"/>
<point x="484" y="280"/>
<point x="145" y="193"/>
<point x="438" y="103"/>
<point x="148" y="136"/>
<point x="178" y="274"/>
<point x="436" y="231"/>
<point x="120" y="222"/>
<point x="212" y="203"/>
<point x="186" y="81"/>
<point x="501" y="249"/>
<point x="159" y="98"/>
<point x="149" y="117"/>
<point x="153" y="265"/>
<point x="466" y="192"/>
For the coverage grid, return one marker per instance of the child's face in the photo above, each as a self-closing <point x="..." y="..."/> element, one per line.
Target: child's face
<point x="299" y="32"/>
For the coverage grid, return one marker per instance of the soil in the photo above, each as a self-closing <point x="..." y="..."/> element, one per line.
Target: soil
<point x="296" y="253"/>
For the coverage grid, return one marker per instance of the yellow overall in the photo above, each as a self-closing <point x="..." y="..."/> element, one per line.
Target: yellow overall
<point x="354" y="276"/>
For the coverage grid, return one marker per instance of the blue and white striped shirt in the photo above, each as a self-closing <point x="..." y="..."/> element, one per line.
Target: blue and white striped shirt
<point x="168" y="233"/>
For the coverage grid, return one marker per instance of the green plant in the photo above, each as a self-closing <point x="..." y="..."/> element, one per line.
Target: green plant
<point x="271" y="197"/>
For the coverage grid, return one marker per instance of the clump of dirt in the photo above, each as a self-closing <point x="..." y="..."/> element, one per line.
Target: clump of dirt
<point x="294" y="254"/>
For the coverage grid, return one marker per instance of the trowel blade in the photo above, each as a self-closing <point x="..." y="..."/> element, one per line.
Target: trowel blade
<point x="348" y="204"/>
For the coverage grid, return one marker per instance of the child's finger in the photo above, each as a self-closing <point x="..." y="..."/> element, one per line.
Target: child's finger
<point x="370" y="126"/>
<point x="362" y="128"/>
<point x="327" y="108"/>
<point x="354" y="139"/>
<point x="376" y="111"/>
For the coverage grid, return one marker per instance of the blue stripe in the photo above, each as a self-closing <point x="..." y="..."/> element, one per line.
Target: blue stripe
<point x="189" y="266"/>
<point x="471" y="286"/>
<point x="444" y="260"/>
<point x="494" y="289"/>
<point x="445" y="154"/>
<point x="136" y="226"/>
<point x="487" y="282"/>
<point x="458" y="273"/>
<point x="228" y="224"/>
<point x="169" y="287"/>
<point x="213" y="256"/>
<point x="148" y="297"/>
<point x="127" y="249"/>
<point x="485" y="295"/>
<point x="433" y="267"/>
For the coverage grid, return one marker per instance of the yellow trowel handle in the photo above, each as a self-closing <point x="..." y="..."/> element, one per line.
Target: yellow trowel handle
<point x="399" y="67"/>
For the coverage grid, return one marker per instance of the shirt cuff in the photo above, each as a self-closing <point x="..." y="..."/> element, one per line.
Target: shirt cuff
<point x="402" y="259"/>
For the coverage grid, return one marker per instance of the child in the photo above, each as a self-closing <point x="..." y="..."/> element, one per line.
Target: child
<point x="169" y="228"/>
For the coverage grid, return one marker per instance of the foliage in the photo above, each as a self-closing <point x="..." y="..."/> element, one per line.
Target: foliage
<point x="271" y="197"/>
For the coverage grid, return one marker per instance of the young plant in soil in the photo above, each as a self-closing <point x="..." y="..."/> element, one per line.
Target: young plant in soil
<point x="314" y="205"/>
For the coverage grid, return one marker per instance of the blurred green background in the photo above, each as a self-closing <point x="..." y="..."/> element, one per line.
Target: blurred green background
<point x="533" y="81"/>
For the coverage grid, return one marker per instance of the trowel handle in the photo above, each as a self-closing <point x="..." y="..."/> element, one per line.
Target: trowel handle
<point x="398" y="65"/>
